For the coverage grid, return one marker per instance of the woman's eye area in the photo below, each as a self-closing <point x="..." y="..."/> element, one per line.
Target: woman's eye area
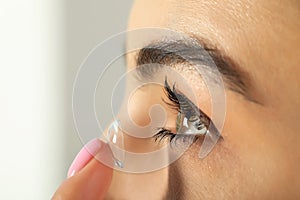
<point x="189" y="119"/>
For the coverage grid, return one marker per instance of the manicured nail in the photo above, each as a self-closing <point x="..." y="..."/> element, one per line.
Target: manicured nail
<point x="84" y="156"/>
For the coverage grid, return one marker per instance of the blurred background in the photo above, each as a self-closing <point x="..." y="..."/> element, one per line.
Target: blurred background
<point x="42" y="44"/>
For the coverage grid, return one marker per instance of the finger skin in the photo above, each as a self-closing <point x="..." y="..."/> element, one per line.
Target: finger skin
<point x="91" y="182"/>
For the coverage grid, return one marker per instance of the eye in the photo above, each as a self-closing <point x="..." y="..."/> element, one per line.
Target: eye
<point x="192" y="125"/>
<point x="191" y="122"/>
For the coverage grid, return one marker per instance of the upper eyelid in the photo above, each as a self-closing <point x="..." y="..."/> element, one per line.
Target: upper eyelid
<point x="209" y="124"/>
<point x="200" y="52"/>
<point x="196" y="111"/>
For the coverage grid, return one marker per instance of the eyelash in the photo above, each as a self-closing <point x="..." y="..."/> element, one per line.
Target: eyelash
<point x="182" y="105"/>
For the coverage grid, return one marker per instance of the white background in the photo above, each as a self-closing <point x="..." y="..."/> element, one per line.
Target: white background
<point x="42" y="44"/>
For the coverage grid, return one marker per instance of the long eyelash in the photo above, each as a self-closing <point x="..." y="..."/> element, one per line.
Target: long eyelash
<point x="182" y="104"/>
<point x="162" y="134"/>
<point x="171" y="96"/>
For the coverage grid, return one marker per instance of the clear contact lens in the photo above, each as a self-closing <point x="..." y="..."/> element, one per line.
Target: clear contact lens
<point x="115" y="141"/>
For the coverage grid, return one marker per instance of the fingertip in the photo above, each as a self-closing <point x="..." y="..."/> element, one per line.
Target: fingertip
<point x="84" y="156"/>
<point x="93" y="178"/>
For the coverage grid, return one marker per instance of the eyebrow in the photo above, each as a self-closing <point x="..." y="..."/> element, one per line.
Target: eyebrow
<point x="194" y="51"/>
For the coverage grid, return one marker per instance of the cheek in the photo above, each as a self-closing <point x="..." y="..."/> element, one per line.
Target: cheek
<point x="217" y="176"/>
<point x="254" y="155"/>
<point x="242" y="166"/>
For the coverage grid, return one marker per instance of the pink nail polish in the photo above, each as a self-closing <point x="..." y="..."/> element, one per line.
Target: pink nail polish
<point x="84" y="156"/>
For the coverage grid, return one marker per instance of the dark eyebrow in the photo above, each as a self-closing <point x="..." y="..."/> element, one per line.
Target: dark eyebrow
<point x="196" y="52"/>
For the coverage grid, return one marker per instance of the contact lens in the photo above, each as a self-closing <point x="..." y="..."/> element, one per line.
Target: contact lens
<point x="115" y="141"/>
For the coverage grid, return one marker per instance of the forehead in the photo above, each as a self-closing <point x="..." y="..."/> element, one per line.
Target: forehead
<point x="238" y="25"/>
<point x="261" y="36"/>
<point x="220" y="21"/>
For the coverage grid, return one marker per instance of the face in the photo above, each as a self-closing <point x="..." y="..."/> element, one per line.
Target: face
<point x="259" y="155"/>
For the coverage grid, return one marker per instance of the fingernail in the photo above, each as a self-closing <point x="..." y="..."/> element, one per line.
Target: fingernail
<point x="84" y="156"/>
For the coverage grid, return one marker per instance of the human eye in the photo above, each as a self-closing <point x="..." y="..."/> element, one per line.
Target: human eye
<point x="191" y="122"/>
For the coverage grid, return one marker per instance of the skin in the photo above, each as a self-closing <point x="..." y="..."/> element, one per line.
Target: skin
<point x="259" y="157"/>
